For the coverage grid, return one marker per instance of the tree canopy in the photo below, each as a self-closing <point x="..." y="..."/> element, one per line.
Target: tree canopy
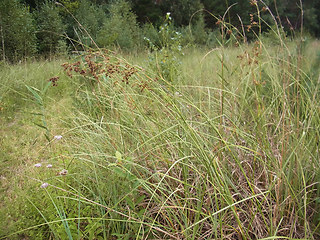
<point x="41" y="26"/>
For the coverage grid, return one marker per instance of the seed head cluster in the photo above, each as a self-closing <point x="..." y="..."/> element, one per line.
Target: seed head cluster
<point x="251" y="57"/>
<point x="96" y="66"/>
<point x="54" y="81"/>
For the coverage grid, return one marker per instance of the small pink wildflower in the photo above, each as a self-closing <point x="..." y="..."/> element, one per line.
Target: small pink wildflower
<point x="38" y="165"/>
<point x="58" y="137"/>
<point x="49" y="166"/>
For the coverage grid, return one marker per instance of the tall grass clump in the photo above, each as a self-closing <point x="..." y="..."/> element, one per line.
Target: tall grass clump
<point x="230" y="151"/>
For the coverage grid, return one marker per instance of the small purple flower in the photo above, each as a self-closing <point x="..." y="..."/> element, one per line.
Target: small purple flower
<point x="44" y="185"/>
<point x="58" y="137"/>
<point x="38" y="165"/>
<point x="49" y="166"/>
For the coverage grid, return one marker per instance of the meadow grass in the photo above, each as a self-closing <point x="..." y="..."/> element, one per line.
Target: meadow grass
<point x="229" y="150"/>
<point x="22" y="142"/>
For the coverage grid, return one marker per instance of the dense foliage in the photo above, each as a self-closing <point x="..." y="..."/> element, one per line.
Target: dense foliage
<point x="46" y="27"/>
<point x="17" y="30"/>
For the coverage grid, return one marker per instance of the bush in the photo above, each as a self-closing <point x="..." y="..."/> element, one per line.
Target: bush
<point x="150" y="32"/>
<point x="120" y="28"/>
<point x="195" y="33"/>
<point x="274" y="35"/>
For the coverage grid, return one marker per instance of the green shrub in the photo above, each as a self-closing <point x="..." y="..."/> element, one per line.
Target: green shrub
<point x="275" y="35"/>
<point x="151" y="34"/>
<point x="195" y="33"/>
<point x="120" y="29"/>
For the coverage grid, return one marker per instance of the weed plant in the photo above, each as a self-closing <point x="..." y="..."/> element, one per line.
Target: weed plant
<point x="166" y="51"/>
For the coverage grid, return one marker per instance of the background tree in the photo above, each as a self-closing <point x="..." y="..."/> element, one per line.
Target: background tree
<point x="182" y="10"/>
<point x="290" y="15"/>
<point x="123" y="22"/>
<point x="147" y="11"/>
<point x="17" y="31"/>
<point x="50" y="27"/>
<point x="91" y="17"/>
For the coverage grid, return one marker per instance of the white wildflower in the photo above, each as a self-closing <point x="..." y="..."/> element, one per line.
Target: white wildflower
<point x="168" y="15"/>
<point x="38" y="165"/>
<point x="49" y="166"/>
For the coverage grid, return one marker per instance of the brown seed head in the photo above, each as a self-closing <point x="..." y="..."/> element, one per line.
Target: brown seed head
<point x="253" y="2"/>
